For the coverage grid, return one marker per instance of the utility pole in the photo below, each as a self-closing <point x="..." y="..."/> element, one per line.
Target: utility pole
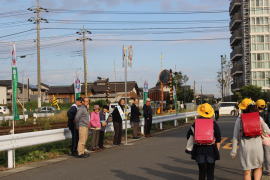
<point x="194" y="92"/>
<point x="83" y="32"/>
<point x="201" y="95"/>
<point x="37" y="20"/>
<point x="222" y="77"/>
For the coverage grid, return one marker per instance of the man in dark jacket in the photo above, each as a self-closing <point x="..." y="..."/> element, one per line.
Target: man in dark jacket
<point x="71" y="125"/>
<point x="148" y="115"/>
<point x="135" y="118"/>
<point x="118" y="117"/>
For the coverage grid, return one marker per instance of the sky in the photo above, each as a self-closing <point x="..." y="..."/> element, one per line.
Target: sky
<point x="61" y="54"/>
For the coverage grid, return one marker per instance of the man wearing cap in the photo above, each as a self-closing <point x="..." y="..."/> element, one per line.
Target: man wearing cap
<point x="148" y="115"/>
<point x="72" y="127"/>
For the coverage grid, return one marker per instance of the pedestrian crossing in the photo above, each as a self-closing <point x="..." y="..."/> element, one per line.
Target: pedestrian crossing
<point x="226" y="143"/>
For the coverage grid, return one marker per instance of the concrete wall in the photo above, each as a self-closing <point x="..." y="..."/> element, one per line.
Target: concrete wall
<point x="3" y="95"/>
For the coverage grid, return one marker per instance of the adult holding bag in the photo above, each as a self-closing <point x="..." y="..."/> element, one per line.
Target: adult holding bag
<point x="205" y="136"/>
<point x="248" y="131"/>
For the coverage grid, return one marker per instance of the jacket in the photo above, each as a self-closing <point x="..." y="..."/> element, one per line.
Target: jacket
<point x="82" y="117"/>
<point x="116" y="115"/>
<point x="147" y="112"/>
<point x="71" y="116"/>
<point x="135" y="113"/>
<point x="95" y="120"/>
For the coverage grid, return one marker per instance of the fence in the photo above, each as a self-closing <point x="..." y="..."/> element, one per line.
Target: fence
<point x="7" y="118"/>
<point x="14" y="141"/>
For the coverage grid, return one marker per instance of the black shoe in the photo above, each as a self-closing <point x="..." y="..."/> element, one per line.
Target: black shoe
<point x="83" y="156"/>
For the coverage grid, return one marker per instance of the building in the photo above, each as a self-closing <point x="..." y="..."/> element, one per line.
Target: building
<point x="26" y="92"/>
<point x="96" y="91"/>
<point x="250" y="42"/>
<point x="3" y="95"/>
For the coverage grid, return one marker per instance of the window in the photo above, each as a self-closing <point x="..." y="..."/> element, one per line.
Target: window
<point x="259" y="56"/>
<point x="260" y="38"/>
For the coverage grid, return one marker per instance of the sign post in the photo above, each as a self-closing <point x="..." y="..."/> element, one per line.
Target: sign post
<point x="145" y="92"/>
<point x="77" y="88"/>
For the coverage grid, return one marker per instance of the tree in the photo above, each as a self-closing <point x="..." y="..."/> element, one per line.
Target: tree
<point x="250" y="91"/>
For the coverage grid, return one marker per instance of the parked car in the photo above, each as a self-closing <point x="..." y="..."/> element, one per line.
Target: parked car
<point x="4" y="110"/>
<point x="46" y="109"/>
<point x="228" y="108"/>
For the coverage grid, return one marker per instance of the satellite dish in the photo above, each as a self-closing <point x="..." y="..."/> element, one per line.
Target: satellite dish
<point x="164" y="76"/>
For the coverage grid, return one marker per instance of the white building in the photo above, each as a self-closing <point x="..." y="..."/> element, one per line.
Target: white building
<point x="3" y="95"/>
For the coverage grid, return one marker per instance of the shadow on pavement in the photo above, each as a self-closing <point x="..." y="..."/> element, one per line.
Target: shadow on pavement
<point x="123" y="175"/>
<point x="165" y="175"/>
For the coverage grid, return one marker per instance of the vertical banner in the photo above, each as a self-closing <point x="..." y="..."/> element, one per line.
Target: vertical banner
<point x="14" y="84"/>
<point x="130" y="56"/>
<point x="145" y="92"/>
<point x="77" y="88"/>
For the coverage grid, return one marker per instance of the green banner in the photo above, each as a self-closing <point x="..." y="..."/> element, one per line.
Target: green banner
<point x="145" y="96"/>
<point x="14" y="93"/>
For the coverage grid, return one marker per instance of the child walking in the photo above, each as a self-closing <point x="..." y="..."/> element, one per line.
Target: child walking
<point x="206" y="134"/>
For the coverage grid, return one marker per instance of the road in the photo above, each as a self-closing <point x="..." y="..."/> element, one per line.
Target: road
<point x="159" y="158"/>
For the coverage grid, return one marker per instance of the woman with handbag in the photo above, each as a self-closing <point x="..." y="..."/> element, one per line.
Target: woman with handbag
<point x="247" y="132"/>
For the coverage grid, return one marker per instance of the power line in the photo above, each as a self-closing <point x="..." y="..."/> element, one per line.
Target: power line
<point x="135" y="12"/>
<point x="17" y="33"/>
<point x="135" y="29"/>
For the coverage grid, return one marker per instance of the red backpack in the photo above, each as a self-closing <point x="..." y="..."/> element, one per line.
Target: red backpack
<point x="251" y="124"/>
<point x="204" y="131"/>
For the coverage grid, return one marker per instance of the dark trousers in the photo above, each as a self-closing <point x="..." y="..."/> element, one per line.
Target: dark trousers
<point x="206" y="170"/>
<point x="216" y="115"/>
<point x="101" y="139"/>
<point x="147" y="126"/>
<point x="135" y="127"/>
<point x="74" y="139"/>
<point x="117" y="133"/>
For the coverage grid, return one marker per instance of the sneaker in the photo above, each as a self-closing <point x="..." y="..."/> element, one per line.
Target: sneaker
<point x="83" y="156"/>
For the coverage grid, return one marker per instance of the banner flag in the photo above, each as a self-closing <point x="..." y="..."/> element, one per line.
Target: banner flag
<point x="14" y="84"/>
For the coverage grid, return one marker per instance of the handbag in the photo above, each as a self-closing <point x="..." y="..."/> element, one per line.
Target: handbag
<point x="190" y="143"/>
<point x="265" y="139"/>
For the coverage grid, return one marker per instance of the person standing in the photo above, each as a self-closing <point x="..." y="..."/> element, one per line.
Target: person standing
<point x="135" y="118"/>
<point x="82" y="120"/>
<point x="95" y="127"/>
<point x="205" y="153"/>
<point x="261" y="105"/>
<point x="72" y="126"/>
<point x="148" y="115"/>
<point x="248" y="136"/>
<point x="118" y="116"/>
<point x="104" y="119"/>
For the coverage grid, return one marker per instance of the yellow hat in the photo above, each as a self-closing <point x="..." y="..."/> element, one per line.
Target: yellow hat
<point x="261" y="103"/>
<point x="205" y="110"/>
<point x="245" y="103"/>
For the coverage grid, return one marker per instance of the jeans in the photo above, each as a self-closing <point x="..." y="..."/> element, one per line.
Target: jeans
<point x="206" y="170"/>
<point x="95" y="139"/>
<point x="74" y="140"/>
<point x="147" y="126"/>
<point x="83" y="135"/>
<point x="117" y="133"/>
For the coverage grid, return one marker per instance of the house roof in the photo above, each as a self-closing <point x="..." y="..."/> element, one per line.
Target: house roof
<point x="61" y="90"/>
<point x="8" y="83"/>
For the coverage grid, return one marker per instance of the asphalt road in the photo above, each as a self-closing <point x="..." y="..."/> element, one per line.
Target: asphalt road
<point x="159" y="158"/>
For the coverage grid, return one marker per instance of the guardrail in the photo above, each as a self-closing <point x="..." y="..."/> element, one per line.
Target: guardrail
<point x="14" y="141"/>
<point x="7" y="118"/>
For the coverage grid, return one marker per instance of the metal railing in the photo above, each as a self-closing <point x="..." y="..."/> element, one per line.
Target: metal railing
<point x="14" y="141"/>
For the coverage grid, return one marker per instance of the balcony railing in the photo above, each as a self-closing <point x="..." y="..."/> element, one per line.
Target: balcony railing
<point x="236" y="37"/>
<point x="236" y="53"/>
<point x="237" y="85"/>
<point x="235" y="20"/>
<point x="234" y="6"/>
<point x="237" y="69"/>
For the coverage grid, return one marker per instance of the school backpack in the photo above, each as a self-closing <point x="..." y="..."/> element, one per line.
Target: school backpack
<point x="204" y="131"/>
<point x="251" y="124"/>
